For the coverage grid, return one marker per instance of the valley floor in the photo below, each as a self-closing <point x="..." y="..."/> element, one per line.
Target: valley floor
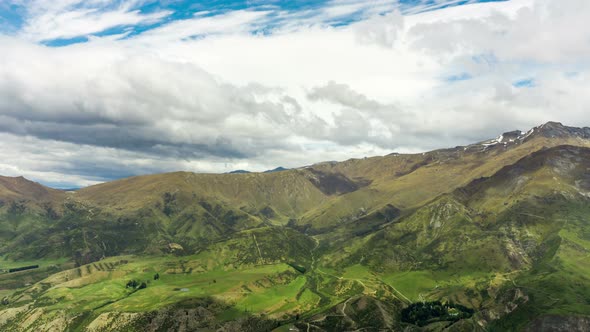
<point x="94" y="297"/>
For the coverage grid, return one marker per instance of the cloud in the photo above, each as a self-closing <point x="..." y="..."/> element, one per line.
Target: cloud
<point x="342" y="94"/>
<point x="238" y="21"/>
<point x="380" y="29"/>
<point x="64" y="19"/>
<point x="142" y="103"/>
<point x="206" y="94"/>
<point x="540" y="31"/>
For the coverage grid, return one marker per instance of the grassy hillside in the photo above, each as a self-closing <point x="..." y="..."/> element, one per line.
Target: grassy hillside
<point x="519" y="232"/>
<point x="410" y="181"/>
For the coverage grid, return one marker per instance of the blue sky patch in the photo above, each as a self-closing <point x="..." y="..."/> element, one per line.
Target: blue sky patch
<point x="459" y="77"/>
<point x="11" y="17"/>
<point x="524" y="83"/>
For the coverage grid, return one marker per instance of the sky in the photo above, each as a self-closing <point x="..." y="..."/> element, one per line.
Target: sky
<point x="97" y="90"/>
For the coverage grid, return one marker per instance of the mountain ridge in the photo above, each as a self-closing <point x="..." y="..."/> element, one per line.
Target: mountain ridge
<point x="549" y="129"/>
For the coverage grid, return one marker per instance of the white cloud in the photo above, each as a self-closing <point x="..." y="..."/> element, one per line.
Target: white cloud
<point x="535" y="31"/>
<point x="233" y="22"/>
<point x="163" y="101"/>
<point x="63" y="19"/>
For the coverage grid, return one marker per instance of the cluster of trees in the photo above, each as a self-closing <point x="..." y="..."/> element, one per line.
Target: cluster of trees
<point x="134" y="284"/>
<point x="24" y="268"/>
<point x="299" y="268"/>
<point x="422" y="313"/>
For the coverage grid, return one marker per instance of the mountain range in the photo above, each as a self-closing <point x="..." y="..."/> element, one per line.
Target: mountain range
<point x="493" y="236"/>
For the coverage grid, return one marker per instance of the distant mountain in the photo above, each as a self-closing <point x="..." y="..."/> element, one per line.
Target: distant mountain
<point x="493" y="236"/>
<point x="239" y="171"/>
<point x="70" y="189"/>
<point x="278" y="169"/>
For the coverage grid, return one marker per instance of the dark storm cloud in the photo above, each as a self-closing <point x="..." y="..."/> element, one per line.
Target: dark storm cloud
<point x="132" y="138"/>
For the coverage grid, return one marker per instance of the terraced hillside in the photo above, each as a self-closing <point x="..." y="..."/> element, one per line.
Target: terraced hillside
<point x="491" y="236"/>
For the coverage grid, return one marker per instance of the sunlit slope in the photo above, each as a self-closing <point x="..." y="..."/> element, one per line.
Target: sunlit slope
<point x="158" y="213"/>
<point x="257" y="272"/>
<point x="277" y="195"/>
<point x="416" y="179"/>
<point x="499" y="221"/>
<point x="15" y="188"/>
<point x="521" y="231"/>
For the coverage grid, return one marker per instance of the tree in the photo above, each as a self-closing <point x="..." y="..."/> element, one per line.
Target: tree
<point x="156" y="276"/>
<point x="143" y="285"/>
<point x="132" y="284"/>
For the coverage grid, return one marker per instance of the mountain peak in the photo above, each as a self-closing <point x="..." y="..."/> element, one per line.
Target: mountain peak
<point x="14" y="180"/>
<point x="239" y="171"/>
<point x="550" y="129"/>
<point x="552" y="124"/>
<point x="21" y="187"/>
<point x="512" y="134"/>
<point x="278" y="169"/>
<point x="554" y="129"/>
